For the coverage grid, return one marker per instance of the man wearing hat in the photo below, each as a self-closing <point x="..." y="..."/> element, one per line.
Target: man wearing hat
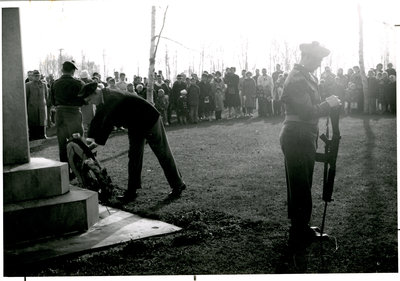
<point x="36" y="95"/>
<point x="144" y="123"/>
<point x="64" y="96"/>
<point x="298" y="140"/>
<point x="177" y="87"/>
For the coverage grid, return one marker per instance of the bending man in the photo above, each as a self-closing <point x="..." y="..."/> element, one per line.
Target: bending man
<point x="144" y="123"/>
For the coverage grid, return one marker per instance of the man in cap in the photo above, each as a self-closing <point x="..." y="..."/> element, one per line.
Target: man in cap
<point x="144" y="123"/>
<point x="298" y="139"/>
<point x="64" y="96"/>
<point x="30" y="76"/>
<point x="36" y="96"/>
<point x="177" y="87"/>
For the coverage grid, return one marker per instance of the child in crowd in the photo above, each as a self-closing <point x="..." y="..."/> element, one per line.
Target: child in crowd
<point x="161" y="104"/>
<point x="182" y="108"/>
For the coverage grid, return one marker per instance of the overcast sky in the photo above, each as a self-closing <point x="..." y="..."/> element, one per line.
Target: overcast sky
<point x="121" y="30"/>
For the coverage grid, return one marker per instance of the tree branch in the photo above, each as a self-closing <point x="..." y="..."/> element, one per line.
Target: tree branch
<point x="172" y="40"/>
<point x="159" y="35"/>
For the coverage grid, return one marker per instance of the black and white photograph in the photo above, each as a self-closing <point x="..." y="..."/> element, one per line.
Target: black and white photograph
<point x="196" y="140"/>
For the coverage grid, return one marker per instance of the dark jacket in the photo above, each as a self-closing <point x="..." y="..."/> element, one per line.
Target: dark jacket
<point x="129" y="111"/>
<point x="143" y="93"/>
<point x="232" y="82"/>
<point x="301" y="97"/>
<point x="373" y="87"/>
<point x="182" y="105"/>
<point x="177" y="87"/>
<point x="65" y="90"/>
<point x="193" y="95"/>
<point x="162" y="86"/>
<point x="206" y="98"/>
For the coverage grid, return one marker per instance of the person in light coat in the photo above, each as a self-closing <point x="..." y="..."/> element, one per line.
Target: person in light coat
<point x="218" y="88"/>
<point x="36" y="96"/>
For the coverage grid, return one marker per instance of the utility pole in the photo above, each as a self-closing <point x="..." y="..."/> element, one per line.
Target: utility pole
<point x="104" y="64"/>
<point x="60" y="63"/>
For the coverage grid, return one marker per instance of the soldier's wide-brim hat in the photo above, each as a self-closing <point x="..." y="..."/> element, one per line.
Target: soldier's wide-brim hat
<point x="314" y="49"/>
<point x="36" y="73"/>
<point x="71" y="62"/>
<point x="88" y="90"/>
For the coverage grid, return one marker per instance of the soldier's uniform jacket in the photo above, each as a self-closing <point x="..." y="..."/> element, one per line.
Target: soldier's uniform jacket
<point x="65" y="90"/>
<point x="301" y="98"/>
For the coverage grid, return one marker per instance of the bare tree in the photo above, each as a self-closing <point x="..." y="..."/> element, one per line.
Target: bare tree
<point x="53" y="65"/>
<point x="167" y="66"/>
<point x="153" y="51"/>
<point x="243" y="57"/>
<point x="201" y="62"/>
<point x="88" y="65"/>
<point x="49" y="65"/>
<point x="361" y="60"/>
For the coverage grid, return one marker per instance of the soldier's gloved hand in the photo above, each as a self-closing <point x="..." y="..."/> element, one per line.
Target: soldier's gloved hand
<point x="333" y="101"/>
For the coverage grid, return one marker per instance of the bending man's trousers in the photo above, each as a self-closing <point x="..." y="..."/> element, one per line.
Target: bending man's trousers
<point x="158" y="142"/>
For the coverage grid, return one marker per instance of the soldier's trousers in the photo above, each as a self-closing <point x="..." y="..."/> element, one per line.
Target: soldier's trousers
<point x="68" y="122"/>
<point x="298" y="142"/>
<point x="158" y="142"/>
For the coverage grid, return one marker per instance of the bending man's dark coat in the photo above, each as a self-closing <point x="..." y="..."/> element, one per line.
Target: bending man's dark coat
<point x="122" y="110"/>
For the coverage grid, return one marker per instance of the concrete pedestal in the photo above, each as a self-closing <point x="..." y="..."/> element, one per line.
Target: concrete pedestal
<point x="39" y="178"/>
<point x="75" y="211"/>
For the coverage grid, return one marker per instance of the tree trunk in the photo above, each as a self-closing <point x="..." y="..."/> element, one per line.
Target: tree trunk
<point x="361" y="61"/>
<point x="167" y="67"/>
<point x="150" y="77"/>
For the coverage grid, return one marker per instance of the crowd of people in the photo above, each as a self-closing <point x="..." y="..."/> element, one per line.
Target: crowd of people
<point x="216" y="95"/>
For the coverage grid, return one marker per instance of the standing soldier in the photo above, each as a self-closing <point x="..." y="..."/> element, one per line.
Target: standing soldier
<point x="298" y="141"/>
<point x="64" y="96"/>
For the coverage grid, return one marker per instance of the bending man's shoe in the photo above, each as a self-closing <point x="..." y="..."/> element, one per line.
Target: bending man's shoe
<point x="128" y="196"/>
<point x="177" y="191"/>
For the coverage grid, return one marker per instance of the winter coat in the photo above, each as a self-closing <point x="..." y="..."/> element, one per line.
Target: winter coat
<point x="206" y="98"/>
<point x="193" y="95"/>
<point x="373" y="87"/>
<point x="218" y="88"/>
<point x="36" y="95"/>
<point x="177" y="87"/>
<point x="249" y="91"/>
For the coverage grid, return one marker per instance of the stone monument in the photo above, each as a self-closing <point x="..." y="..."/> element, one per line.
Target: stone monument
<point x="39" y="202"/>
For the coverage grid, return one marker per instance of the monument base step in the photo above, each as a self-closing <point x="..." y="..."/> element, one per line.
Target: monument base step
<point x="74" y="211"/>
<point x="39" y="178"/>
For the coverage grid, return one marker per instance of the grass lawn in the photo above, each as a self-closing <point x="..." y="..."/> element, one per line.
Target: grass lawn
<point x="234" y="210"/>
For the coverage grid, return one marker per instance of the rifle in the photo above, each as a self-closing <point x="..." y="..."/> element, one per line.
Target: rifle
<point x="329" y="158"/>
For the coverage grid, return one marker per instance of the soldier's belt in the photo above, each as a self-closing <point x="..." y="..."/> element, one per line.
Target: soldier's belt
<point x="70" y="108"/>
<point x="296" y="118"/>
